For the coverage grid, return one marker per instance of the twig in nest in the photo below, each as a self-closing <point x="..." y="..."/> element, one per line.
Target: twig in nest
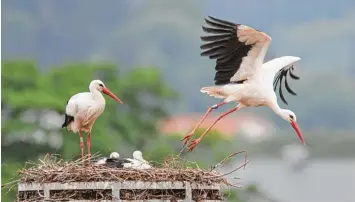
<point x="221" y="163"/>
<point x="233" y="170"/>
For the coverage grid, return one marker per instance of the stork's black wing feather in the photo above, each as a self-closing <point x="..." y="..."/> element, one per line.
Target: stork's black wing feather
<point x="279" y="81"/>
<point x="116" y="163"/>
<point x="225" y="47"/>
<point x="288" y="87"/>
<point x="67" y="119"/>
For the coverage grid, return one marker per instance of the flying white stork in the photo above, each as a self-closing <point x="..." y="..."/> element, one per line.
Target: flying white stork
<point x="241" y="75"/>
<point x="83" y="109"/>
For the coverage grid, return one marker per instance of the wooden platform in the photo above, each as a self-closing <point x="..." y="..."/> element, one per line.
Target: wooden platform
<point x="120" y="191"/>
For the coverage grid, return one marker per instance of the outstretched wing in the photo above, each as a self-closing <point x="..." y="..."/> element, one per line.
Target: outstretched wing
<point x="239" y="49"/>
<point x="276" y="71"/>
<point x="278" y="81"/>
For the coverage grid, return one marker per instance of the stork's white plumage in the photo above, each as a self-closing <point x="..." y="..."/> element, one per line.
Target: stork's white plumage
<point x="138" y="161"/>
<point x="113" y="155"/>
<point x="83" y="109"/>
<point x="114" y="161"/>
<point x="241" y="76"/>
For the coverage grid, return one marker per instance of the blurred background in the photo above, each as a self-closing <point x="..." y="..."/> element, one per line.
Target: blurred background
<point x="147" y="52"/>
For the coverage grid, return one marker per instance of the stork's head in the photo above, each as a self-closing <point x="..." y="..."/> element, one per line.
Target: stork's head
<point x="114" y="155"/>
<point x="97" y="85"/>
<point x="289" y="116"/>
<point x="138" y="155"/>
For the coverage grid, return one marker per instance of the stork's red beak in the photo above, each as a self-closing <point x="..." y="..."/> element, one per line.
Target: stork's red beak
<point x="109" y="93"/>
<point x="298" y="131"/>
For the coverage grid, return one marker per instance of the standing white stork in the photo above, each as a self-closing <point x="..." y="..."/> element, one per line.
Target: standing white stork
<point x="83" y="109"/>
<point x="241" y="75"/>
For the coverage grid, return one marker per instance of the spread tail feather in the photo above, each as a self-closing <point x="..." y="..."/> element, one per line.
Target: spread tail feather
<point x="68" y="119"/>
<point x="214" y="91"/>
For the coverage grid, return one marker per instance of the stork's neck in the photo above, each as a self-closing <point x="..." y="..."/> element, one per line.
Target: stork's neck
<point x="276" y="108"/>
<point x="97" y="95"/>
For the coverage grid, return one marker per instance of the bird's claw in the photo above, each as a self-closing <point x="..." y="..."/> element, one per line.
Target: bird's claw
<point x="193" y="144"/>
<point x="187" y="138"/>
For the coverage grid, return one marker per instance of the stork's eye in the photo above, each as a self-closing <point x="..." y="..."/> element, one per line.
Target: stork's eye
<point x="102" y="85"/>
<point x="291" y="116"/>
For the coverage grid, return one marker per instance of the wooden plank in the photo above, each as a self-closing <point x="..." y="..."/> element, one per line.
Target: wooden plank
<point x="66" y="186"/>
<point x="155" y="200"/>
<point x="117" y="186"/>
<point x="199" y="186"/>
<point x="152" y="185"/>
<point x="111" y="185"/>
<point x="188" y="196"/>
<point x="30" y="186"/>
<point x="46" y="192"/>
<point x="116" y="191"/>
<point x="80" y="185"/>
<point x="89" y="201"/>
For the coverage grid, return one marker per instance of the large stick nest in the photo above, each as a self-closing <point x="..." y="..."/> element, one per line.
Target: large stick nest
<point x="51" y="169"/>
<point x="173" y="168"/>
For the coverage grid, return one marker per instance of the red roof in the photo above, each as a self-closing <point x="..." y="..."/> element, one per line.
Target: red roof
<point x="183" y="124"/>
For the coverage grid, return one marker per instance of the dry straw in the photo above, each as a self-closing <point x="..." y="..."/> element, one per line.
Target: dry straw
<point x="173" y="168"/>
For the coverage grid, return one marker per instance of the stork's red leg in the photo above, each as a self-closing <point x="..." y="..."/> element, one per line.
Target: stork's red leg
<point x="89" y="144"/>
<point x="188" y="136"/>
<point x="82" y="147"/>
<point x="194" y="143"/>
